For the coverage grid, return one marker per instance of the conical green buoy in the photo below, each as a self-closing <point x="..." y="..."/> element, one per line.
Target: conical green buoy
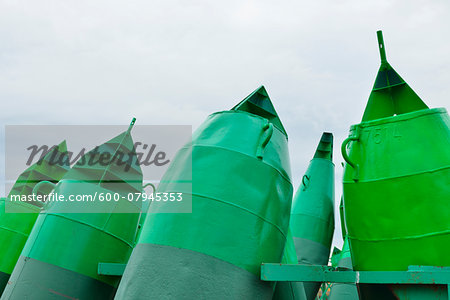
<point x="17" y="217"/>
<point x="312" y="218"/>
<point x="396" y="182"/>
<point x="70" y="238"/>
<point x="241" y="198"/>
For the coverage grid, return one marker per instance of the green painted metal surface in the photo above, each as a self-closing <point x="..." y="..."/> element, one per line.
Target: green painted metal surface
<point x="144" y="208"/>
<point x="19" y="217"/>
<point x="404" y="291"/>
<point x="71" y="238"/>
<point x="51" y="167"/>
<point x="290" y="252"/>
<point x="418" y="282"/>
<point x="397" y="187"/>
<point x="3" y="280"/>
<point x="312" y="215"/>
<point x="344" y="291"/>
<point x="343" y="260"/>
<point x="111" y="269"/>
<point x="187" y="275"/>
<point x="289" y="290"/>
<point x="335" y="256"/>
<point x="390" y="95"/>
<point x="241" y="199"/>
<point x="40" y="280"/>
<point x="315" y="273"/>
<point x="312" y="218"/>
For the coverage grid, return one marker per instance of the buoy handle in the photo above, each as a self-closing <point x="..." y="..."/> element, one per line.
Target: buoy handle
<point x="346" y="157"/>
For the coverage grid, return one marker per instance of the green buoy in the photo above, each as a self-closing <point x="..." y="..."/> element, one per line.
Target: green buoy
<point x="397" y="179"/>
<point x="70" y="239"/>
<point x="312" y="218"/>
<point x="18" y="217"/>
<point x="241" y="198"/>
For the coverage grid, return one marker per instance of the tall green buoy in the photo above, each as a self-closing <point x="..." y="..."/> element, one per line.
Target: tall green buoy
<point x="397" y="180"/>
<point x="241" y="199"/>
<point x="312" y="217"/>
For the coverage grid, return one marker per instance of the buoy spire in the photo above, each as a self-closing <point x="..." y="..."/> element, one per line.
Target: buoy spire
<point x="325" y="147"/>
<point x="381" y="46"/>
<point x="390" y="95"/>
<point x="131" y="125"/>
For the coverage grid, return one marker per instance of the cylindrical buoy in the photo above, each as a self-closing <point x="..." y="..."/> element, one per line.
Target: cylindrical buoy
<point x="312" y="218"/>
<point x="18" y="215"/>
<point x="70" y="239"/>
<point x="397" y="181"/>
<point x="241" y="197"/>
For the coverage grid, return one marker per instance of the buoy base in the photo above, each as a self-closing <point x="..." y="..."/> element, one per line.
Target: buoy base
<point x="165" y="272"/>
<point x="311" y="253"/>
<point x="34" y="279"/>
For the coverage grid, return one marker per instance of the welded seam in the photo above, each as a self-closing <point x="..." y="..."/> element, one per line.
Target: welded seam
<point x="312" y="216"/>
<point x="15" y="231"/>
<point x="401" y="118"/>
<point x="92" y="226"/>
<point x="285" y="176"/>
<point x="400" y="176"/>
<point x="241" y="207"/>
<point x="401" y="238"/>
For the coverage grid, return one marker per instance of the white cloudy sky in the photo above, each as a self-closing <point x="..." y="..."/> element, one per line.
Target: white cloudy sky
<point x="174" y="62"/>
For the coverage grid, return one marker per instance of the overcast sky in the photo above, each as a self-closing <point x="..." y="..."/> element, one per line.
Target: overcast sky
<point x="175" y="62"/>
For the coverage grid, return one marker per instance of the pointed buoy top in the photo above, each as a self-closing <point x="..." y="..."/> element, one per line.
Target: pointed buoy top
<point x="259" y="103"/>
<point x="390" y="95"/>
<point x="62" y="147"/>
<point x="119" y="170"/>
<point x="386" y="77"/>
<point x="325" y="147"/>
<point x="52" y="167"/>
<point x="55" y="153"/>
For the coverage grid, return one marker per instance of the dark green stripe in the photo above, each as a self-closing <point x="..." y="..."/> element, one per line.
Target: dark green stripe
<point x="3" y="281"/>
<point x="319" y="230"/>
<point x="402" y="291"/>
<point x="165" y="272"/>
<point x="343" y="291"/>
<point x="311" y="252"/>
<point x="314" y="253"/>
<point x="287" y="290"/>
<point x="34" y="279"/>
